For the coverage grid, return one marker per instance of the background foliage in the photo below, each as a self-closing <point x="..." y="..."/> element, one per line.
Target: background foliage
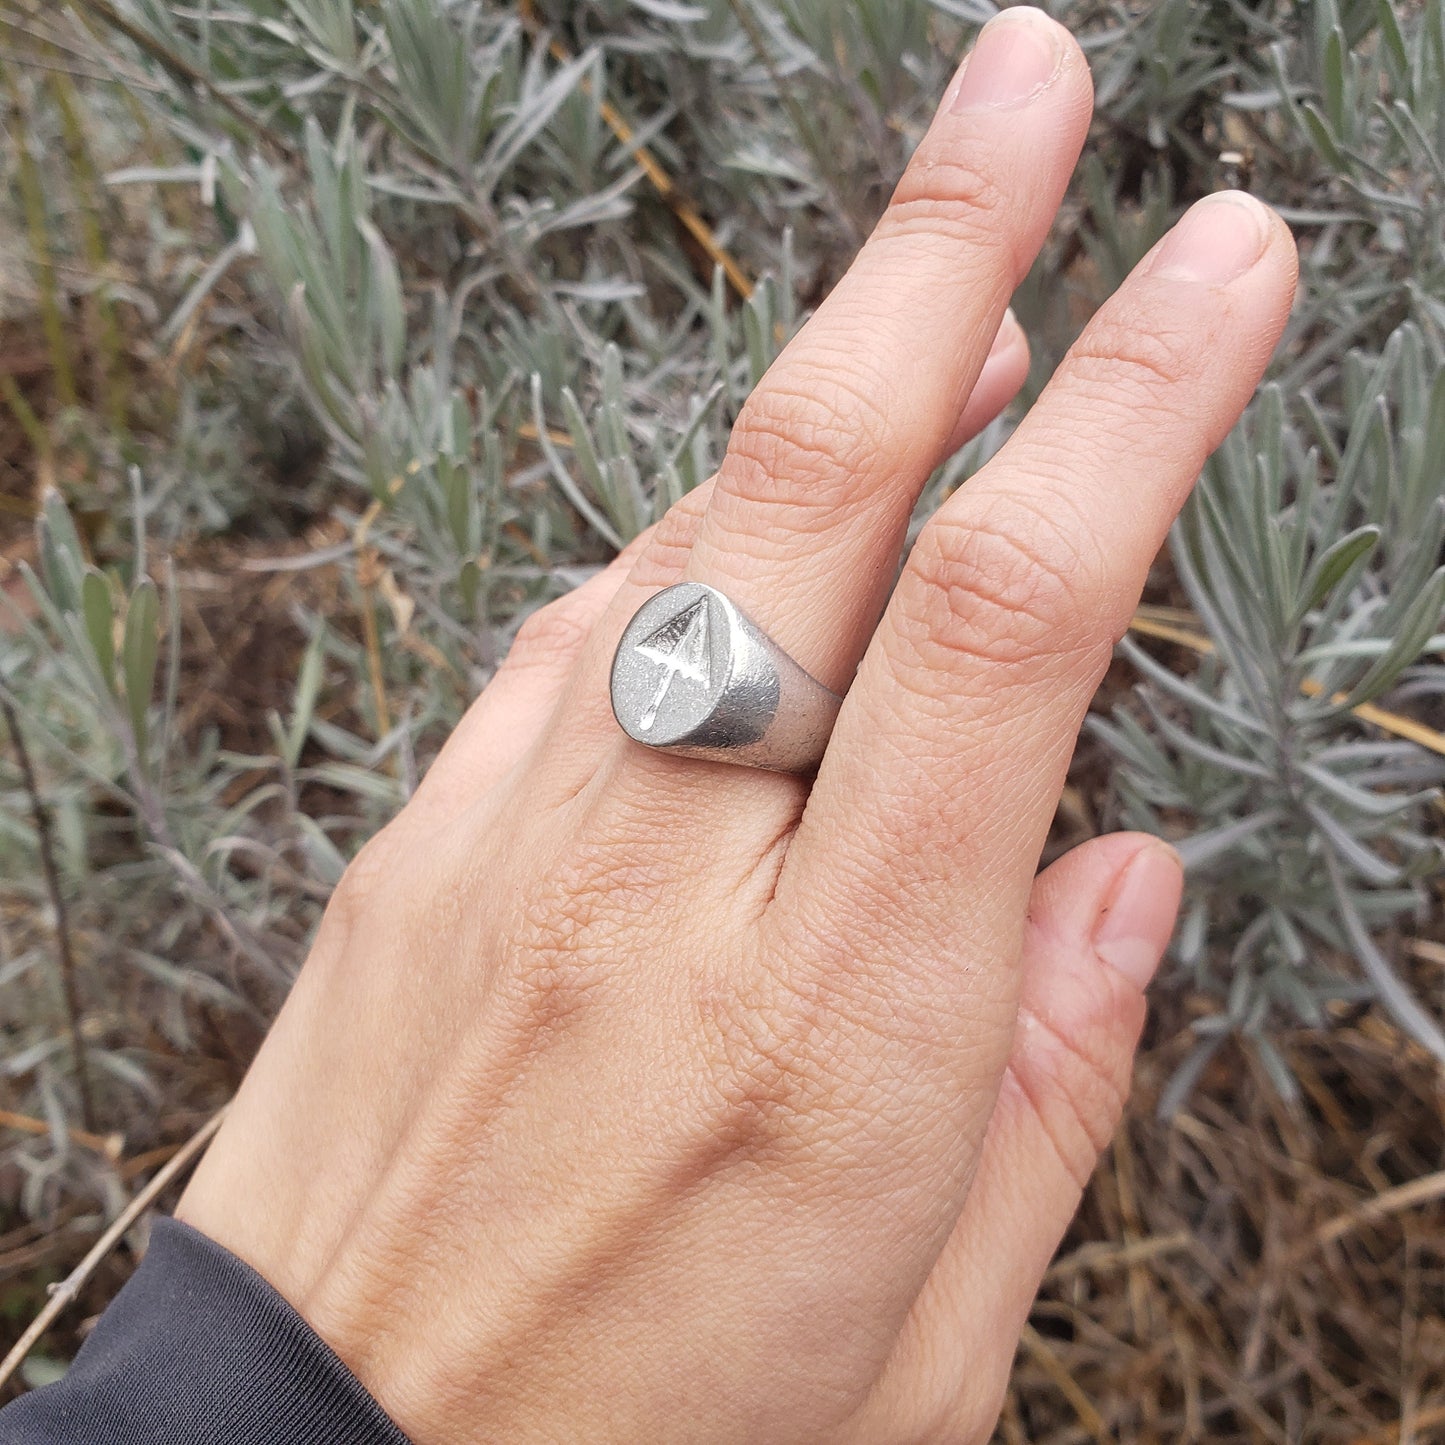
<point x="337" y="335"/>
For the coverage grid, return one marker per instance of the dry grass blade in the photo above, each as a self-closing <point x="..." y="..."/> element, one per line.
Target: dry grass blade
<point x="1411" y="1429"/>
<point x="109" y="1145"/>
<point x="64" y="952"/>
<point x="1242" y="1340"/>
<point x="1255" y="1271"/>
<point x="1405" y="1196"/>
<point x="1102" y="1257"/>
<point x="1092" y="1421"/>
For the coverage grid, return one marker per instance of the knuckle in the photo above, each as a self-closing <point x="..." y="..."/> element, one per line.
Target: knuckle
<point x="361" y="884"/>
<point x="947" y="196"/>
<point x="801" y="1055"/>
<point x="549" y="634"/>
<point x="1076" y="1082"/>
<point x="373" y="886"/>
<point x="550" y="987"/>
<point x="1136" y="363"/>
<point x="773" y="1079"/>
<point x="810" y="447"/>
<point x="1009" y="589"/>
<point x="667" y="553"/>
<point x="760" y="1079"/>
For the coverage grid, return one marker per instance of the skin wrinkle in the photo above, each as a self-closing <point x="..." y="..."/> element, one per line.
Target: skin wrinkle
<point x="1065" y="905"/>
<point x="574" y="1312"/>
<point x="840" y="976"/>
<point x="998" y="985"/>
<point x="514" y="1062"/>
<point x="941" y="981"/>
<point x="1076" y="1157"/>
<point x="1119" y="360"/>
<point x="456" y="774"/>
<point x="439" y="1028"/>
<point x="1079" y="1052"/>
<point x="807" y="452"/>
<point x="988" y="595"/>
<point x="558" y="629"/>
<point x="989" y="186"/>
<point x="548" y="1298"/>
<point x="659" y="563"/>
<point x="1004" y="374"/>
<point x="852" y="986"/>
<point x="639" y="793"/>
<point x="948" y="294"/>
<point x="951" y="224"/>
<point x="769" y="869"/>
<point x="1015" y="470"/>
<point x="1007" y="705"/>
<point x="665" y="559"/>
<point x="940" y="837"/>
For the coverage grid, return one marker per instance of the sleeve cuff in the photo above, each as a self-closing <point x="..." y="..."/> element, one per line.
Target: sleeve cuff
<point x="198" y="1349"/>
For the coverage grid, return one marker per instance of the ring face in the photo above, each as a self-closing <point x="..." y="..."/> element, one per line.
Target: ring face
<point x="693" y="675"/>
<point x="673" y="665"/>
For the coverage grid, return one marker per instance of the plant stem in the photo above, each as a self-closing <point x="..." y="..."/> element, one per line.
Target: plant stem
<point x="184" y="72"/>
<point x="106" y="338"/>
<point x="65" y="957"/>
<point x="37" y="226"/>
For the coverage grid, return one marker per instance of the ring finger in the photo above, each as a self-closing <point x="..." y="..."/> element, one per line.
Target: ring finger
<point x="811" y="504"/>
<point x="829" y="455"/>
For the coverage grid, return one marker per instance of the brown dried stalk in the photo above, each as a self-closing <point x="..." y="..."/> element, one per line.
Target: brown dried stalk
<point x="64" y="955"/>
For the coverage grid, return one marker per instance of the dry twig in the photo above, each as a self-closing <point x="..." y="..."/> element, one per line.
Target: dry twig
<point x="1404" y="1196"/>
<point x="689" y="217"/>
<point x="1408" y="1429"/>
<point x="65" y="956"/>
<point x="1068" y="1387"/>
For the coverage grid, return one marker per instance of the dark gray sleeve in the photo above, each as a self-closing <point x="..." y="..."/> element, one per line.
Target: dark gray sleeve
<point x="199" y="1350"/>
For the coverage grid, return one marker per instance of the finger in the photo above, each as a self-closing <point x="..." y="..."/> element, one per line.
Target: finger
<point x="1005" y="370"/>
<point x="511" y="712"/>
<point x="1098" y="924"/>
<point x="923" y="830"/>
<point x="832" y="449"/>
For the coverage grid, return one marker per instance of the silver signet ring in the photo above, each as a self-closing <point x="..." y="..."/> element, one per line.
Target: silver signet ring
<point x="694" y="676"/>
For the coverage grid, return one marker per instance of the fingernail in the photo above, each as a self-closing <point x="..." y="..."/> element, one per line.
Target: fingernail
<point x="1217" y="239"/>
<point x="1135" y="926"/>
<point x="1016" y="55"/>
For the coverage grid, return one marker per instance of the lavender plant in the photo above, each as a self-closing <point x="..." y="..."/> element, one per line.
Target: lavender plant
<point x="1312" y="554"/>
<point x="1311" y="551"/>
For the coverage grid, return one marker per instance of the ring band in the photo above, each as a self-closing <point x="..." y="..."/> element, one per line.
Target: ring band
<point x="693" y="675"/>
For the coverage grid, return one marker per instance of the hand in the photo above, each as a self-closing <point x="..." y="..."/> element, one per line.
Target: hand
<point x="632" y="1098"/>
